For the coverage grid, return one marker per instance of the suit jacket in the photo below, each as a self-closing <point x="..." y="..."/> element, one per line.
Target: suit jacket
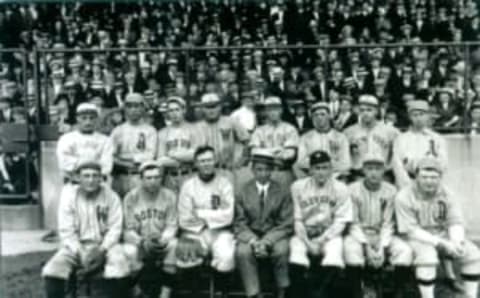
<point x="273" y="223"/>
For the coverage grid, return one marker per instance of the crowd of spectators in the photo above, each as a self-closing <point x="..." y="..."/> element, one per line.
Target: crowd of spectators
<point x="298" y="75"/>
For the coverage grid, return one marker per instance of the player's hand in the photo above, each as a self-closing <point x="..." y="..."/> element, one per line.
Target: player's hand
<point x="448" y="248"/>
<point x="375" y="257"/>
<point x="94" y="260"/>
<point x="314" y="248"/>
<point x="459" y="248"/>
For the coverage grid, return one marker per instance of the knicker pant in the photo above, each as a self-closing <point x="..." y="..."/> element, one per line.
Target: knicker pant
<point x="332" y="253"/>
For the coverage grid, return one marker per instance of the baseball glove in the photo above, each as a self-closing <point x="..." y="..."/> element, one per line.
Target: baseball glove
<point x="189" y="252"/>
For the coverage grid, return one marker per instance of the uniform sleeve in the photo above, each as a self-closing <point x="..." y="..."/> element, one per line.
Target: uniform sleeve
<point x="356" y="230"/>
<point x="107" y="157"/>
<point x="162" y="145"/>
<point x="132" y="225"/>
<point x="66" y="156"/>
<point x="115" y="221"/>
<point x="240" y="227"/>
<point x="67" y="229"/>
<point x="343" y="214"/>
<point x="283" y="223"/>
<point x="401" y="176"/>
<point x="393" y="135"/>
<point x="302" y="153"/>
<point x="291" y="137"/>
<point x="241" y="133"/>
<point x="299" y="226"/>
<point x="187" y="217"/>
<point x="388" y="222"/>
<point x="256" y="139"/>
<point x="223" y="216"/>
<point x="171" y="226"/>
<point x="344" y="154"/>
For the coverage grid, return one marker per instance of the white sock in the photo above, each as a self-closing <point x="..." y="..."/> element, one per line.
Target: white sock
<point x="426" y="291"/>
<point x="470" y="288"/>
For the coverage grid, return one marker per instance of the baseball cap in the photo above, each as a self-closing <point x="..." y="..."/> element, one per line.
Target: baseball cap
<point x="261" y="155"/>
<point x="210" y="99"/>
<point x="319" y="105"/>
<point x="318" y="157"/>
<point x="418" y="105"/>
<point x="429" y="163"/>
<point x="176" y="99"/>
<point x="134" y="98"/>
<point x="149" y="164"/>
<point x="88" y="164"/>
<point x="272" y="101"/>
<point x="373" y="156"/>
<point x="368" y="100"/>
<point x="86" y="107"/>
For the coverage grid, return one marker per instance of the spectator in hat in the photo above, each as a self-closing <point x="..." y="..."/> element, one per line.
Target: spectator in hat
<point x="5" y="110"/>
<point x="440" y="71"/>
<point x="345" y="117"/>
<point x="448" y="111"/>
<point x="319" y="89"/>
<point x="298" y="115"/>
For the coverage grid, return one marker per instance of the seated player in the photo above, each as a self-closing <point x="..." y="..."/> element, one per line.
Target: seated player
<point x="263" y="225"/>
<point x="90" y="224"/>
<point x="150" y="228"/>
<point x="322" y="209"/>
<point x="431" y="218"/>
<point x="371" y="240"/>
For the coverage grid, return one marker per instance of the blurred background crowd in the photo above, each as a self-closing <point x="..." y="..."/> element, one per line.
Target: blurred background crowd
<point x="448" y="76"/>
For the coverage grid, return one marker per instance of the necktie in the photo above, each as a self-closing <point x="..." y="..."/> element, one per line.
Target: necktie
<point x="262" y="195"/>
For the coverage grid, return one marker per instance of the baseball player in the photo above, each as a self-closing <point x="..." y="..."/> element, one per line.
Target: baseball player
<point x="176" y="145"/>
<point x="371" y="240"/>
<point x="150" y="212"/>
<point x="369" y="134"/>
<point x="416" y="143"/>
<point x="90" y="224"/>
<point x="206" y="209"/>
<point x="278" y="137"/>
<point x="134" y="142"/>
<point x="221" y="133"/>
<point x="432" y="220"/>
<point x="322" y="209"/>
<point x="324" y="138"/>
<point x="263" y="225"/>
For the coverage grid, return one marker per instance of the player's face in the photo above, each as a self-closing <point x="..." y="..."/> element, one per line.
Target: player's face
<point x="320" y="118"/>
<point x="89" y="180"/>
<point x="133" y="111"/>
<point x="152" y="179"/>
<point x="321" y="172"/>
<point x="175" y="112"/>
<point x="419" y="119"/>
<point x="211" y="112"/>
<point x="367" y="113"/>
<point x="374" y="172"/>
<point x="262" y="172"/>
<point x="273" y="114"/>
<point x="86" y="122"/>
<point x="205" y="163"/>
<point x="428" y="180"/>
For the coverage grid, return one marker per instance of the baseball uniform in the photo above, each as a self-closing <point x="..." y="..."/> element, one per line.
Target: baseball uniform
<point x="86" y="222"/>
<point x="373" y="223"/>
<point x="424" y="220"/>
<point x="178" y="143"/>
<point x="410" y="147"/>
<point x="131" y="143"/>
<point x="278" y="139"/>
<point x="323" y="210"/>
<point x="206" y="211"/>
<point x="333" y="142"/>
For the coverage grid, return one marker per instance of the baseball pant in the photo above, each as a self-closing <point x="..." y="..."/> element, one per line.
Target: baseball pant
<point x="137" y="260"/>
<point x="248" y="267"/>
<point x="427" y="255"/>
<point x="399" y="252"/>
<point x="64" y="261"/>
<point x="332" y="253"/>
<point x="123" y="183"/>
<point x="221" y="247"/>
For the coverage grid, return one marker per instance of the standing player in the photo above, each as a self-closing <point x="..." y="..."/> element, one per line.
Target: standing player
<point x="221" y="133"/>
<point x="369" y="134"/>
<point x="279" y="138"/>
<point x="176" y="145"/>
<point x="324" y="138"/>
<point x="322" y="209"/>
<point x="416" y="143"/>
<point x="371" y="236"/>
<point x="263" y="226"/>
<point x="134" y="142"/>
<point x="90" y="224"/>
<point x="206" y="209"/>
<point x="150" y="228"/>
<point x="431" y="218"/>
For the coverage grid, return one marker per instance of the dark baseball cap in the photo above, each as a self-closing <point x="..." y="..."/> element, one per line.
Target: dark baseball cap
<point x="318" y="157"/>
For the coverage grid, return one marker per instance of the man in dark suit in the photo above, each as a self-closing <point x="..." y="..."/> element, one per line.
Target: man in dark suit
<point x="263" y="225"/>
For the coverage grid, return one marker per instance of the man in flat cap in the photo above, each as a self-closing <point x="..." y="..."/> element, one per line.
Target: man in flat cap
<point x="176" y="145"/>
<point x="90" y="225"/>
<point x="431" y="218"/>
<point x="134" y="142"/>
<point x="322" y="209"/>
<point x="370" y="239"/>
<point x="279" y="138"/>
<point x="323" y="137"/>
<point x="150" y="230"/>
<point x="369" y="134"/>
<point x="263" y="225"/>
<point x="416" y="143"/>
